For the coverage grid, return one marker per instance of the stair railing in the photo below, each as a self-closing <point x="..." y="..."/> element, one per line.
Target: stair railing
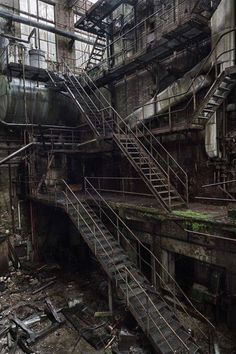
<point x="97" y="112"/>
<point x="124" y="130"/>
<point x="93" y="50"/>
<point x="161" y="15"/>
<point x="126" y="237"/>
<point x="167" y="164"/>
<point x="80" y="210"/>
<point x="129" y="292"/>
<point x="191" y="103"/>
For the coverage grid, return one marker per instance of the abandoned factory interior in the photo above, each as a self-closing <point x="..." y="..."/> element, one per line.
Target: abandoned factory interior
<point x="118" y="176"/>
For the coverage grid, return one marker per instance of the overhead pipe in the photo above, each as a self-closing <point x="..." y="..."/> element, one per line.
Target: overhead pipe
<point x="17" y="39"/>
<point x="15" y="153"/>
<point x="26" y="147"/>
<point x="43" y="26"/>
<point x="44" y="126"/>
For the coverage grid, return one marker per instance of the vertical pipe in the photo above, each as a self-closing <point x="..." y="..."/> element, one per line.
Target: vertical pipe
<point x="19" y="214"/>
<point x="11" y="199"/>
<point x="31" y="243"/>
<point x="110" y="300"/>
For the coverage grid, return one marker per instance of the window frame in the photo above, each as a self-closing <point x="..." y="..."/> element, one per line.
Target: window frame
<point x="45" y="43"/>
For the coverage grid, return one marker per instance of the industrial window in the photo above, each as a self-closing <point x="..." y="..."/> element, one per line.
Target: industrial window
<point x="82" y="50"/>
<point x="42" y="12"/>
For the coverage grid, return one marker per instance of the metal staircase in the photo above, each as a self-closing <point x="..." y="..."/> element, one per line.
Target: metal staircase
<point x="158" y="320"/>
<point x="94" y="20"/>
<point x="159" y="170"/>
<point x="97" y="53"/>
<point x="215" y="96"/>
<point x="99" y="119"/>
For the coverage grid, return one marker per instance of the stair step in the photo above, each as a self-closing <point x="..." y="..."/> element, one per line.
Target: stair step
<point x="112" y="243"/>
<point x="203" y="117"/>
<point x="174" y="342"/>
<point x="139" y="309"/>
<point x="193" y="348"/>
<point x="166" y="192"/>
<point x="112" y="251"/>
<point x="172" y="198"/>
<point x="157" y="185"/>
<point x="208" y="110"/>
<point x="152" y="168"/>
<point x="228" y="79"/>
<point x="165" y="331"/>
<point x="161" y="185"/>
<point x="137" y="293"/>
<point x="212" y="104"/>
<point x="133" y="285"/>
<point x="116" y="259"/>
<point x="121" y="277"/>
<point x="224" y="89"/>
<point x="119" y="267"/>
<point x="218" y="96"/>
<point x="136" y="156"/>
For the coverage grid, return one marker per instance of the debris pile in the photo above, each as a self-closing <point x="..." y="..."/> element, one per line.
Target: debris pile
<point x="45" y="311"/>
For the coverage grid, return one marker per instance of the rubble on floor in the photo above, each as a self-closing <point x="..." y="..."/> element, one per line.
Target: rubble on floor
<point x="43" y="310"/>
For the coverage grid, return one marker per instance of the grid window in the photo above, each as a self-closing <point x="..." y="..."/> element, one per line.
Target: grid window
<point x="45" y="13"/>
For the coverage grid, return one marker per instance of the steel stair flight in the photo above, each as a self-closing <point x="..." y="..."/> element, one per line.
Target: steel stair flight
<point x="97" y="53"/>
<point x="156" y="318"/>
<point x="164" y="177"/>
<point x="216" y="95"/>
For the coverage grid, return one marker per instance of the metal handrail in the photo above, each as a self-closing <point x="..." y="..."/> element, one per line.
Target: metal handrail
<point x="98" y="181"/>
<point x="151" y="302"/>
<point x="92" y="51"/>
<point x="169" y="161"/>
<point x="117" y="269"/>
<point x="119" y="122"/>
<point x="119" y="233"/>
<point x="98" y="110"/>
<point x="205" y="61"/>
<point x="159" y="13"/>
<point x="192" y="99"/>
<point x="192" y="82"/>
<point x="85" y="102"/>
<point x="151" y="254"/>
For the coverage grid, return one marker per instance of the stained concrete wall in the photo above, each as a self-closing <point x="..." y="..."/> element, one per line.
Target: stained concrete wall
<point x="223" y="20"/>
<point x="133" y="91"/>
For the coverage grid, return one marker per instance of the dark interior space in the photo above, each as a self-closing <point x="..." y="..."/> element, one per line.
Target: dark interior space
<point x="117" y="176"/>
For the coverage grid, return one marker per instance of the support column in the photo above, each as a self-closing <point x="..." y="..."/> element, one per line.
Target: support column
<point x="110" y="300"/>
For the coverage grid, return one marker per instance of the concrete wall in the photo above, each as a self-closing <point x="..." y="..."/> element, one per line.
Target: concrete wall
<point x="223" y="20"/>
<point x="133" y="91"/>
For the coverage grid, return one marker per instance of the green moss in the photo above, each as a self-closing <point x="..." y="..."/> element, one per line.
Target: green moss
<point x="192" y="214"/>
<point x="195" y="226"/>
